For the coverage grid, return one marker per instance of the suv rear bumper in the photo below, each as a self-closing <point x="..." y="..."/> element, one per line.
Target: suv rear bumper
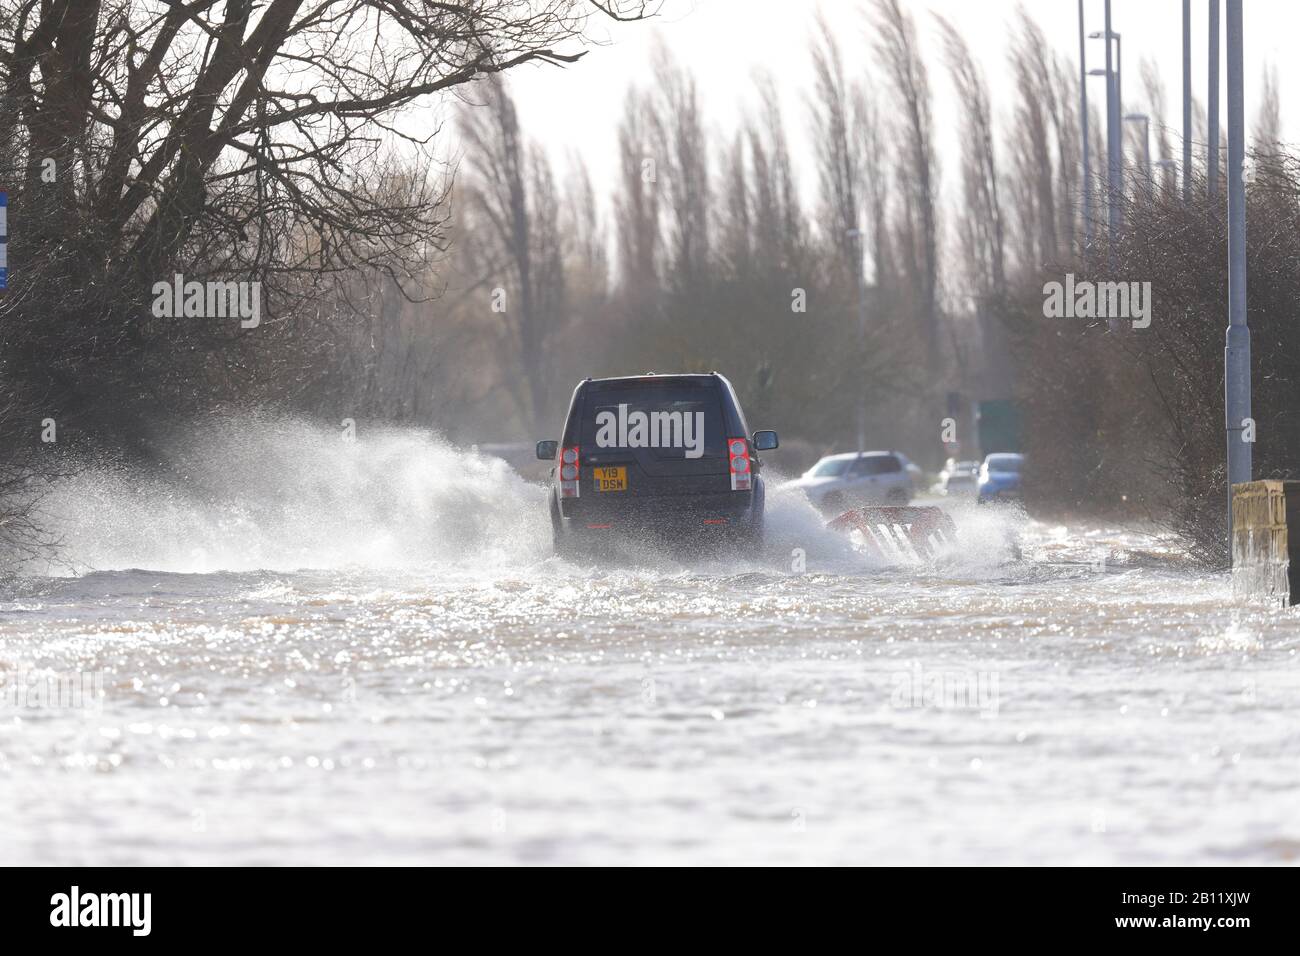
<point x="711" y="515"/>
<point x="657" y="511"/>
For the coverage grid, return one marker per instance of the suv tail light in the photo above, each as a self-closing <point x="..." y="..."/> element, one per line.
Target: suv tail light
<point x="569" y="469"/>
<point x="738" y="454"/>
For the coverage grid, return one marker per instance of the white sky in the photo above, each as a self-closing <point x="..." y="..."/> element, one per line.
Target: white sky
<point x="724" y="41"/>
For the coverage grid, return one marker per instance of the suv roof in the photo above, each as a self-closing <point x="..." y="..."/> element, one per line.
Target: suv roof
<point x="733" y="418"/>
<point x="655" y="375"/>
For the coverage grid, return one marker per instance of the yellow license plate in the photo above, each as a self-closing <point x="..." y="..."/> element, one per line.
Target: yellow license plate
<point x="610" y="479"/>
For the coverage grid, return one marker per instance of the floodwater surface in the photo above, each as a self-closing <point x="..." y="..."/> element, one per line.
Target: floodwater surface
<point x="299" y="650"/>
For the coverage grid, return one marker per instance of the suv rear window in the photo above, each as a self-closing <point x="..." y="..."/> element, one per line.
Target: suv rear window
<point x="670" y="420"/>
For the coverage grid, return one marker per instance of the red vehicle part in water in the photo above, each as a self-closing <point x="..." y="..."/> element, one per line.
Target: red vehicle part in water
<point x="900" y="532"/>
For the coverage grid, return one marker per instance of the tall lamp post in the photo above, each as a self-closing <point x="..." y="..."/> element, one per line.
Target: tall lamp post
<point x="1087" y="147"/>
<point x="1236" y="354"/>
<point x="1111" y="198"/>
<point x="1114" y="130"/>
<point x="1187" y="99"/>
<point x="1212" y="106"/>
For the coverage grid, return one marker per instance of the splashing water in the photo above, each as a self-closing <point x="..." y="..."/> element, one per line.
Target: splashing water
<point x="284" y="495"/>
<point x="273" y="494"/>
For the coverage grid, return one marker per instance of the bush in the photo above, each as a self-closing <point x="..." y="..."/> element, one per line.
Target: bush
<point x="1131" y="423"/>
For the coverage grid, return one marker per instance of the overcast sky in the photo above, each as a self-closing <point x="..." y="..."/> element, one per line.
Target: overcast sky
<point x="724" y="41"/>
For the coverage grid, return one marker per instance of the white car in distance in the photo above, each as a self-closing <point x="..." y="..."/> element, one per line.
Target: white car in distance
<point x="840" y="482"/>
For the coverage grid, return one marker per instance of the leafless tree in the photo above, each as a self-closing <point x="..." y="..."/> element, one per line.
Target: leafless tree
<point x="1032" y="142"/>
<point x="980" y="227"/>
<point x="637" y="201"/>
<point x="980" y="224"/>
<point x="1153" y="89"/>
<point x="272" y="141"/>
<point x="839" y="167"/>
<point x="1069" y="172"/>
<point x="583" y="227"/>
<point x="780" y="233"/>
<point x="736" y="229"/>
<point x="1266" y="131"/>
<point x="916" y="168"/>
<point x="681" y="154"/>
<point x="873" y="157"/>
<point x="514" y="207"/>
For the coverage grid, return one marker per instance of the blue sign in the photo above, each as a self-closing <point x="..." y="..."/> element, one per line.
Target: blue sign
<point x="4" y="239"/>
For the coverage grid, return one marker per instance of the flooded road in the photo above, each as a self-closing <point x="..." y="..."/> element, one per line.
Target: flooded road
<point x="373" y="658"/>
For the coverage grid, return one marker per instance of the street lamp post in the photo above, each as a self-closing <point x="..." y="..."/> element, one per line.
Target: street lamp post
<point x="1111" y="218"/>
<point x="1236" y="354"/>
<point x="1212" y="106"/>
<point x="1117" y="74"/>
<point x="1083" y="115"/>
<point x="1114" y="135"/>
<point x="1187" y="99"/>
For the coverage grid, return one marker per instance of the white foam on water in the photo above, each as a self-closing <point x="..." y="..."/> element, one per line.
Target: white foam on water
<point x="794" y="525"/>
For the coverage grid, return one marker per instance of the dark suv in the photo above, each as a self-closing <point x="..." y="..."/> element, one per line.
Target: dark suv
<point x="668" y="455"/>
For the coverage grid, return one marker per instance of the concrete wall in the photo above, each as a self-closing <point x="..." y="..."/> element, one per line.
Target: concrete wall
<point x="1266" y="541"/>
